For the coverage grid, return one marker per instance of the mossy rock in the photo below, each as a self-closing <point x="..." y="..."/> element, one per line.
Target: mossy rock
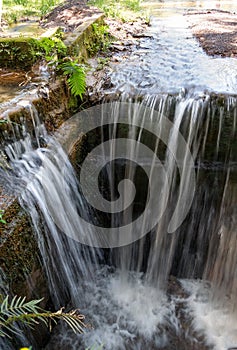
<point x="17" y="52"/>
<point x="22" y="52"/>
<point x="20" y="260"/>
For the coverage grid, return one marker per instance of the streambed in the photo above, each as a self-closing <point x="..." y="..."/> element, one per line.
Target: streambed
<point x="129" y="303"/>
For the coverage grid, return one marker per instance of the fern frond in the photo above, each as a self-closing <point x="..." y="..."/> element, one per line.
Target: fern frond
<point x="30" y="314"/>
<point x="77" y="84"/>
<point x="76" y="77"/>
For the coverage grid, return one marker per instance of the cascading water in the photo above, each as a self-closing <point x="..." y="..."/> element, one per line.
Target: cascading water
<point x="153" y="197"/>
<point x="164" y="241"/>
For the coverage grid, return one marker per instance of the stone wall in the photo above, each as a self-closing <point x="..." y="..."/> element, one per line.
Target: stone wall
<point x="20" y="261"/>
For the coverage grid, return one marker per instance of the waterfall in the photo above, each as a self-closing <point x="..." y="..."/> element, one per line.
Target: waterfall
<point x="46" y="184"/>
<point x="153" y="196"/>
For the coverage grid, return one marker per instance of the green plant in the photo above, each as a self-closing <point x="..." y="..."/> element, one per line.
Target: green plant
<point x="29" y="313"/>
<point x="48" y="48"/>
<point x="101" y="40"/>
<point x="122" y="9"/>
<point x="47" y="5"/>
<point x="76" y="77"/>
<point x="1" y="216"/>
<point x="14" y="10"/>
<point x="24" y="52"/>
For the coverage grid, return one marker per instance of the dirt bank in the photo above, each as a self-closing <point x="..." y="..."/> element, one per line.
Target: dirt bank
<point x="216" y="31"/>
<point x="71" y="14"/>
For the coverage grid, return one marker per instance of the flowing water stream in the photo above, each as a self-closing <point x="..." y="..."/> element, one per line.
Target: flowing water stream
<point x="172" y="59"/>
<point x="154" y="198"/>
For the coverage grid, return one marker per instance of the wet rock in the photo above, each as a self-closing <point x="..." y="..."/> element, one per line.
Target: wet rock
<point x="118" y="47"/>
<point x="142" y="35"/>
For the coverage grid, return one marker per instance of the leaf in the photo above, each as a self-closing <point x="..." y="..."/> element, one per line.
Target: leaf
<point x="76" y="79"/>
<point x="29" y="313"/>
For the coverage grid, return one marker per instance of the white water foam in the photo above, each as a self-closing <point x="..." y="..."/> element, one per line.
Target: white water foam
<point x="211" y="317"/>
<point x="124" y="313"/>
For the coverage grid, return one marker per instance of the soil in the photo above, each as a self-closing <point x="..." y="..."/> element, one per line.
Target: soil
<point x="216" y="31"/>
<point x="71" y="14"/>
<point x="68" y="15"/>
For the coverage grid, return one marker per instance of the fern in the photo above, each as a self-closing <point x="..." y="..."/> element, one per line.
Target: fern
<point x="76" y="77"/>
<point x="29" y="313"/>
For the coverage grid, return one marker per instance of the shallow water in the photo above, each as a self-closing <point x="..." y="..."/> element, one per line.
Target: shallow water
<point x="166" y="7"/>
<point x="171" y="59"/>
<point x="7" y="93"/>
<point x="23" y="29"/>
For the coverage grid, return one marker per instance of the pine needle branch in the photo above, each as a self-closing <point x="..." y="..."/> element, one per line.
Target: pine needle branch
<point x="30" y="314"/>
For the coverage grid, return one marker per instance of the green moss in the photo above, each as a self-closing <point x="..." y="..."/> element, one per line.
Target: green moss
<point x="125" y="10"/>
<point x="100" y="39"/>
<point x="16" y="52"/>
<point x="89" y="41"/>
<point x="23" y="52"/>
<point x="18" y="248"/>
<point x="73" y="104"/>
